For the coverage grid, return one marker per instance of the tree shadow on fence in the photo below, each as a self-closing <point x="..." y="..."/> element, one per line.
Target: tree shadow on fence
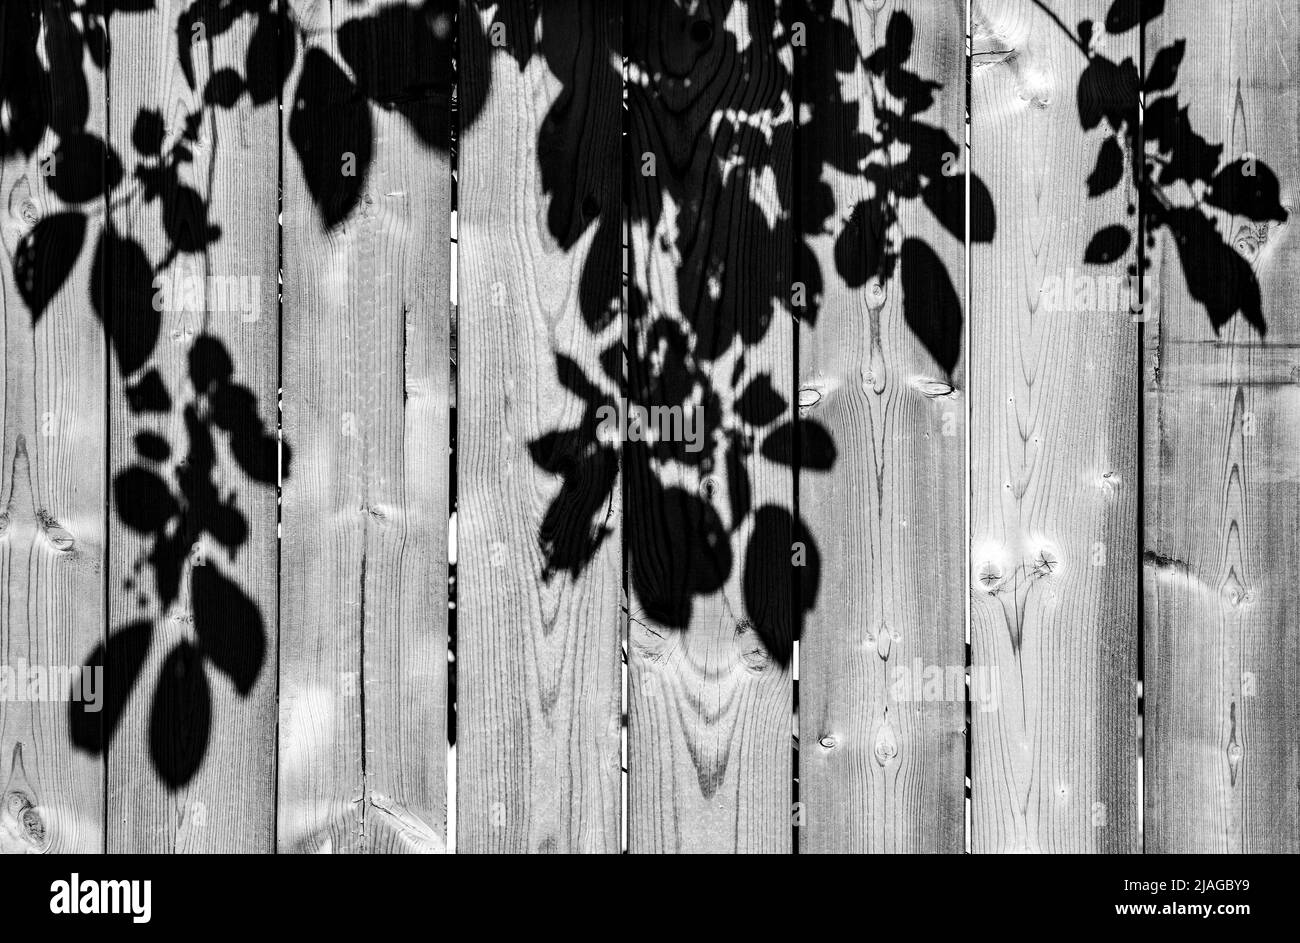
<point x="1180" y="175"/>
<point x="686" y="353"/>
<point x="712" y="160"/>
<point x="177" y="505"/>
<point x="709" y="149"/>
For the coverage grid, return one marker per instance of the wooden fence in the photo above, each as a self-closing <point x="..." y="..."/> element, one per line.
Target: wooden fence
<point x="659" y="426"/>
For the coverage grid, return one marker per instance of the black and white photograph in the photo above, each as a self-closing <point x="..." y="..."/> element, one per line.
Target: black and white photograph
<point x="627" y="427"/>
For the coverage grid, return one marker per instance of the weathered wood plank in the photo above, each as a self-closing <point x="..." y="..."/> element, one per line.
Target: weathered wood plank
<point x="366" y="370"/>
<point x="1054" y="469"/>
<point x="709" y="530"/>
<point x="1222" y="456"/>
<point x="192" y="263"/>
<point x="881" y="368"/>
<point x="539" y="505"/>
<point x="53" y="456"/>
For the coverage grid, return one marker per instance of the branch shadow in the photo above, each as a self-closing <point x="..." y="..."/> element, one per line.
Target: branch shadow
<point x="683" y="402"/>
<point x="1182" y="178"/>
<point x="397" y="58"/>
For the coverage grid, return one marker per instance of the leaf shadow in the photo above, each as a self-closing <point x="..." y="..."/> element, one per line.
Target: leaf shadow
<point x="699" y="166"/>
<point x="169" y="494"/>
<point x="1182" y="179"/>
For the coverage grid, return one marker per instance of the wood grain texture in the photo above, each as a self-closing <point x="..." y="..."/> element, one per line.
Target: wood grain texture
<point x="539" y="506"/>
<point x="366" y="371"/>
<point x="709" y="535"/>
<point x="52" y="460"/>
<point x="1222" y="666"/>
<point x="882" y="756"/>
<point x="1053" y="457"/>
<point x="191" y="767"/>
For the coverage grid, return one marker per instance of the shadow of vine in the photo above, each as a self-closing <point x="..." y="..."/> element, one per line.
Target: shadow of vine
<point x="723" y="220"/>
<point x="169" y="494"/>
<point x="1181" y="175"/>
<point x="711" y="212"/>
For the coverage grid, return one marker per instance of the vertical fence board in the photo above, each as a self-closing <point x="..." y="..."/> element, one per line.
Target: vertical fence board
<point x="539" y="507"/>
<point x="1053" y="452"/>
<point x="52" y="403"/>
<point x="366" y="261"/>
<point x="882" y="746"/>
<point x="1222" y="666"/>
<point x="192" y="574"/>
<point x="710" y="533"/>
